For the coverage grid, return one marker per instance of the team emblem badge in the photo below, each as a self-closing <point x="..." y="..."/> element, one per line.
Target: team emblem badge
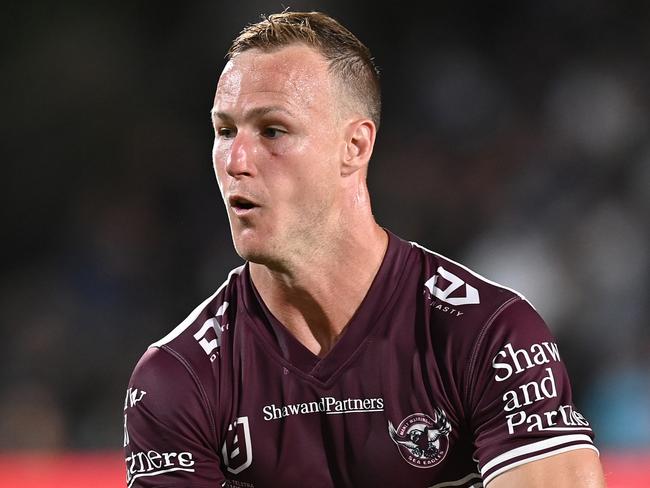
<point x="421" y="440"/>
<point x="237" y="453"/>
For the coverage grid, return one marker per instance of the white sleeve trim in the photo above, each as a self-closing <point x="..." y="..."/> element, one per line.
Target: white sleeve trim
<point x="535" y="458"/>
<point x="535" y="446"/>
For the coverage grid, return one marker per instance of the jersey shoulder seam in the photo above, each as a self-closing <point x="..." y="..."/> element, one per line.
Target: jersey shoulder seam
<point x="479" y="341"/>
<point x="473" y="273"/>
<point x="204" y="396"/>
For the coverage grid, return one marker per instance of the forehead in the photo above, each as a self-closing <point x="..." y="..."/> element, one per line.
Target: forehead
<point x="295" y="77"/>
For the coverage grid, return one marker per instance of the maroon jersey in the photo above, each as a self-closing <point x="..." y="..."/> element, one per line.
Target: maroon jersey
<point x="440" y="379"/>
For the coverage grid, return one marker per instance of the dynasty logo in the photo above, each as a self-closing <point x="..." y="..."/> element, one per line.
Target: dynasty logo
<point x="422" y="441"/>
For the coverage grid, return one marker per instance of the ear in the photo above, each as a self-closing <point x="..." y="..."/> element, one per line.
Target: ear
<point x="359" y="141"/>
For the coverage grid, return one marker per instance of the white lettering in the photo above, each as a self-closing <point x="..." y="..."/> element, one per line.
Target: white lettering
<point x="153" y="457"/>
<point x="580" y="420"/>
<point x="514" y="355"/>
<point x="553" y="350"/>
<point x="525" y="390"/>
<point x="549" y="417"/>
<point x="499" y="365"/>
<point x="328" y="405"/>
<point x="512" y="401"/>
<point x="510" y="361"/>
<point x="147" y="464"/>
<point x="536" y="422"/>
<point x="564" y="418"/>
<point x="549" y="392"/>
<point x="131" y="468"/>
<point x="185" y="459"/>
<point x="540" y="358"/>
<point x="565" y="412"/>
<point x="141" y="457"/>
<point x="133" y="396"/>
<point x="126" y="433"/>
<point x="514" y="420"/>
<point x="168" y="456"/>
<point x="531" y="392"/>
<point x="268" y="412"/>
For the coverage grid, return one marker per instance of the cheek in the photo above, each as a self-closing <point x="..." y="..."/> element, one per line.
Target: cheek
<point x="218" y="162"/>
<point x="310" y="192"/>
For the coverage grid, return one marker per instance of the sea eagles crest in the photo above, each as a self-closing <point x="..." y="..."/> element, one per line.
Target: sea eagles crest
<point x="421" y="440"/>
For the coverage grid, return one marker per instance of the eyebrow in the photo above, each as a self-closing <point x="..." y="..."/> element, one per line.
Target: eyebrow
<point x="252" y="113"/>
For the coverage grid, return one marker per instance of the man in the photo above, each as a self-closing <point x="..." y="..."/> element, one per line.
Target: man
<point x="340" y="355"/>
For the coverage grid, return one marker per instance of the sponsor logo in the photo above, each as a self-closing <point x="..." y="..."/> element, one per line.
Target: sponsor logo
<point x="237" y="451"/>
<point x="328" y="405"/>
<point x="453" y="283"/>
<point x="213" y="328"/>
<point x="237" y="484"/>
<point x="133" y="396"/>
<point x="510" y="363"/>
<point x="154" y="463"/>
<point x="563" y="418"/>
<point x="422" y="441"/>
<point x="463" y="294"/>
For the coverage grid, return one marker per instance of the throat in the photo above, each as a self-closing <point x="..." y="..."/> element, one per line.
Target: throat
<point x="319" y="340"/>
<point x="316" y="302"/>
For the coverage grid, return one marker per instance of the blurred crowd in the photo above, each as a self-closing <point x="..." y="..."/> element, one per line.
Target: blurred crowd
<point x="515" y="139"/>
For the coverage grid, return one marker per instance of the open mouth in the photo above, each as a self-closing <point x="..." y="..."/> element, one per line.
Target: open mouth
<point x="240" y="204"/>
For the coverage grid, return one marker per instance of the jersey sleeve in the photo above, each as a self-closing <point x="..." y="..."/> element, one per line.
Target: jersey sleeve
<point x="519" y="394"/>
<point x="169" y="437"/>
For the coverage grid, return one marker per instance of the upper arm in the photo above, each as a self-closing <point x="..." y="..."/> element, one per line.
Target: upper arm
<point x="519" y="398"/>
<point x="579" y="468"/>
<point x="169" y="437"/>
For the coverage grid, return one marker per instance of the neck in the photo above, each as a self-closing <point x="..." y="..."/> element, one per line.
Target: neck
<point x="316" y="298"/>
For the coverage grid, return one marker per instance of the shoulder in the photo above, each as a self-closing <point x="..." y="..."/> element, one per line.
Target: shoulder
<point x="514" y="386"/>
<point x="163" y="383"/>
<point x="200" y="335"/>
<point x="192" y="347"/>
<point x="469" y="315"/>
<point x="477" y="313"/>
<point x="179" y="371"/>
<point x="458" y="295"/>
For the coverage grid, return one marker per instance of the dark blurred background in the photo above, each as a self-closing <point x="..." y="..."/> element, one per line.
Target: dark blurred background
<point x="515" y="139"/>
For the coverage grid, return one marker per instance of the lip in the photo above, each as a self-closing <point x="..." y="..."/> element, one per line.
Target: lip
<point x="243" y="212"/>
<point x="241" y="205"/>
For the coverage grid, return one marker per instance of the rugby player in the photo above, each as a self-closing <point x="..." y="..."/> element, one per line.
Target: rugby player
<point x="340" y="355"/>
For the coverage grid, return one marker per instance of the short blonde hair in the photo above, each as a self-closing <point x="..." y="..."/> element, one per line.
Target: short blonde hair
<point x="349" y="59"/>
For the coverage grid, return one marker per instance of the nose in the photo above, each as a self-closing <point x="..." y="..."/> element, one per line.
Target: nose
<point x="239" y="160"/>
